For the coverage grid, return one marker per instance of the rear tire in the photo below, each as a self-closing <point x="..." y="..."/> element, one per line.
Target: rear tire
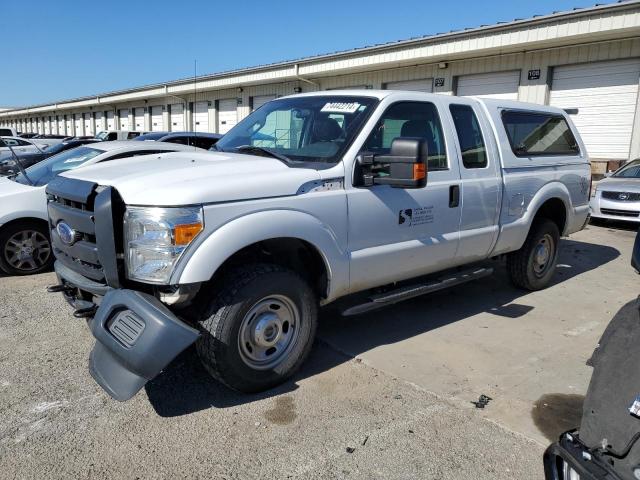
<point x="259" y="328"/>
<point x="532" y="267"/>
<point x="25" y="249"/>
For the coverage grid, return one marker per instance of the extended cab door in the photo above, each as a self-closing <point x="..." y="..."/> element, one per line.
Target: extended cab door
<point x="398" y="233"/>
<point x="480" y="180"/>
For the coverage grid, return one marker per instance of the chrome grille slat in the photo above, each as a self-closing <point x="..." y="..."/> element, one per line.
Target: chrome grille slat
<point x="626" y="196"/>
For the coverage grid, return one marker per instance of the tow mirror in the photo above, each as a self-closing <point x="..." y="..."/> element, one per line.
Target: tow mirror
<point x="635" y="256"/>
<point x="404" y="167"/>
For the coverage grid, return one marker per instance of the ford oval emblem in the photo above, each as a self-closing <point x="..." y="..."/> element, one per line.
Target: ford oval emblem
<point x="66" y="233"/>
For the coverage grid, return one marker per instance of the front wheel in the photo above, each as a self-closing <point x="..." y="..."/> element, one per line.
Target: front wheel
<point x="532" y="267"/>
<point x="25" y="249"/>
<point x="259" y="328"/>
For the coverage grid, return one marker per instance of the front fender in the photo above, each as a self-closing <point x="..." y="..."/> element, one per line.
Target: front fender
<point x="222" y="243"/>
<point x="514" y="228"/>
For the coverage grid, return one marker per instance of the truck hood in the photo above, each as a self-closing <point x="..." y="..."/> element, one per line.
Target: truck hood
<point x="187" y="178"/>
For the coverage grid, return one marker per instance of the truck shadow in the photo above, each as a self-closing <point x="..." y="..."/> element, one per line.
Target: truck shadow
<point x="185" y="386"/>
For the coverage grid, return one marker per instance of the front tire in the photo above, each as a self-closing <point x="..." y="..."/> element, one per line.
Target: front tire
<point x="25" y="249"/>
<point x="532" y="267"/>
<point x="258" y="330"/>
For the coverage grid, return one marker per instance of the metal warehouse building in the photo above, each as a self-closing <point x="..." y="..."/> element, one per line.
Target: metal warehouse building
<point x="585" y="60"/>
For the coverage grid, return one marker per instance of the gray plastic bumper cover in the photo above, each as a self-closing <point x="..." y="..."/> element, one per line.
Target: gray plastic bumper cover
<point x="136" y="337"/>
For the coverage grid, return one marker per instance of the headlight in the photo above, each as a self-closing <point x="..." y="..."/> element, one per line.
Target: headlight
<point x="156" y="237"/>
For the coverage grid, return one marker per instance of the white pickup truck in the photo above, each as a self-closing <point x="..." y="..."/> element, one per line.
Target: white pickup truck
<point x="366" y="197"/>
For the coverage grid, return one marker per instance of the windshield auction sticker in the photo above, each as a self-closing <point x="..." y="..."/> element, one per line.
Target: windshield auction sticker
<point x="340" y="107"/>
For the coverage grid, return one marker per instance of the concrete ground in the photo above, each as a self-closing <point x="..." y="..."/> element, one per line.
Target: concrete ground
<point x="384" y="395"/>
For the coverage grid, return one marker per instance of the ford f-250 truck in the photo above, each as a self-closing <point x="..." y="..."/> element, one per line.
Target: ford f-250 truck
<point x="367" y="197"/>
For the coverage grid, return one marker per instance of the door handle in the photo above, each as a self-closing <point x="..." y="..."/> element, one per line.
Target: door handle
<point x="454" y="196"/>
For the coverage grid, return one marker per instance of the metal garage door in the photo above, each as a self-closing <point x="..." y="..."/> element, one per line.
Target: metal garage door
<point x="157" y="124"/>
<point x="110" y="121"/>
<point x="138" y="119"/>
<point x="425" y="85"/>
<point x="88" y="128"/>
<point x="605" y="95"/>
<point x="100" y="125"/>
<point x="227" y="114"/>
<point x="259" y="100"/>
<point x="492" y="85"/>
<point x="201" y="117"/>
<point x="124" y="118"/>
<point x="68" y="123"/>
<point x="78" y="124"/>
<point x="47" y="125"/>
<point x="176" y="117"/>
<point x="60" y="125"/>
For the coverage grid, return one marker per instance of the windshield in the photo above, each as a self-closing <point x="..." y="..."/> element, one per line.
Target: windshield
<point x="310" y="129"/>
<point x="630" y="170"/>
<point x="55" y="148"/>
<point x="102" y="135"/>
<point x="43" y="172"/>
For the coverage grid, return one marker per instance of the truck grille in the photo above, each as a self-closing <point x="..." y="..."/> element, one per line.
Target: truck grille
<point x="622" y="196"/>
<point x="71" y="212"/>
<point x="620" y="213"/>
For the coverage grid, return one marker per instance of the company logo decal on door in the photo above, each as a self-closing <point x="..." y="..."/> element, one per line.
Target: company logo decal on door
<point x="410" y="217"/>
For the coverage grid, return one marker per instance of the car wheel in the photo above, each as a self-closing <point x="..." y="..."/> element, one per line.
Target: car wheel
<point x="259" y="328"/>
<point x="532" y="267"/>
<point x="25" y="249"/>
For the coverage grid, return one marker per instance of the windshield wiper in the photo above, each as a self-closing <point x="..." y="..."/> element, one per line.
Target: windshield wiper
<point x="271" y="153"/>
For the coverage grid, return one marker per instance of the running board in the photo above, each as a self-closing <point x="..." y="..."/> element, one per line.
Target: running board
<point x="411" y="291"/>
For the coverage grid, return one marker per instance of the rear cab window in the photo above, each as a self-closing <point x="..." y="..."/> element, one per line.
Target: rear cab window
<point x="539" y="134"/>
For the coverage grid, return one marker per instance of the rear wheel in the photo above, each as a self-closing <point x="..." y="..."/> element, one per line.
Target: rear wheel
<point x="532" y="267"/>
<point x="259" y="328"/>
<point x="25" y="249"/>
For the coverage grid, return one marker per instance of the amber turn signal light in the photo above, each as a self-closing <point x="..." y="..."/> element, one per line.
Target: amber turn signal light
<point x="419" y="171"/>
<point x="184" y="234"/>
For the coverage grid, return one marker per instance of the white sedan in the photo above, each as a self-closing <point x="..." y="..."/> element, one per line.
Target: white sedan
<point x="26" y="145"/>
<point x="617" y="197"/>
<point x="24" y="231"/>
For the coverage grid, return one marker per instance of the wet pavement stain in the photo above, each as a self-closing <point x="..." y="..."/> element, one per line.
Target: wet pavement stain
<point x="283" y="412"/>
<point x="555" y="413"/>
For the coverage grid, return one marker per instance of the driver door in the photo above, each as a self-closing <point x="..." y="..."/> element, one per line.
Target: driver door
<point x="400" y="233"/>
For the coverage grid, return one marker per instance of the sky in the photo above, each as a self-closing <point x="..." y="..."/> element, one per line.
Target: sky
<point x="57" y="50"/>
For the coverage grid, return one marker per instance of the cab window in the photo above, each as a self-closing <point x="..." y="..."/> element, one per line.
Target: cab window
<point x="472" y="148"/>
<point x="534" y="134"/>
<point x="410" y="119"/>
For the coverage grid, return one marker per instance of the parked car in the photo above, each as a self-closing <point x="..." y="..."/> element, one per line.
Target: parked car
<point x="606" y="445"/>
<point x="23" y="145"/>
<point x="28" y="135"/>
<point x="359" y="198"/>
<point x="117" y="135"/>
<point x="8" y="164"/>
<point x="151" y="136"/>
<point x="617" y="197"/>
<point x="24" y="236"/>
<point x="197" y="139"/>
<point x="8" y="132"/>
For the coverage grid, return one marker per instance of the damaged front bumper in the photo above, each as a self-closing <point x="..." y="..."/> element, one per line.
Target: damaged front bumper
<point x="570" y="459"/>
<point x="136" y="337"/>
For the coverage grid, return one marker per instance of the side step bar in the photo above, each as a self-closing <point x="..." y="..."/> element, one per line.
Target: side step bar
<point x="411" y="291"/>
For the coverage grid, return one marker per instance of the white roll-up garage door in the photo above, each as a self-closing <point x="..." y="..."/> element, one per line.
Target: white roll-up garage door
<point x="425" y="85"/>
<point x="259" y="100"/>
<point x="60" y="125"/>
<point x="88" y="128"/>
<point x="227" y="114"/>
<point x="68" y="124"/>
<point x="604" y="95"/>
<point x="78" y="124"/>
<point x="176" y="117"/>
<point x="157" y="124"/>
<point x="124" y="118"/>
<point x="502" y="85"/>
<point x="47" y="126"/>
<point x="100" y="126"/>
<point x="111" y="124"/>
<point x="201" y="117"/>
<point x="138" y="119"/>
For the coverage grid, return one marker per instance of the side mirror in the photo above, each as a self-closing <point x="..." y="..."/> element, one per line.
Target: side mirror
<point x="404" y="167"/>
<point x="635" y="255"/>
